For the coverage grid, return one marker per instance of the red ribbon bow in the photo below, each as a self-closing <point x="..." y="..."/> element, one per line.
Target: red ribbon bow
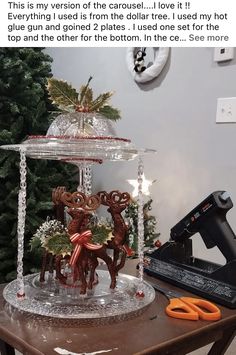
<point x="81" y="240"/>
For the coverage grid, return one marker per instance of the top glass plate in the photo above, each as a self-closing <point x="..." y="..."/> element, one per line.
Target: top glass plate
<point x="79" y="136"/>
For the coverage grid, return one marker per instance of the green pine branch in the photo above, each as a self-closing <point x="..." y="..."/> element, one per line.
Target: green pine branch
<point x="25" y="109"/>
<point x="100" y="101"/>
<point x="110" y="112"/>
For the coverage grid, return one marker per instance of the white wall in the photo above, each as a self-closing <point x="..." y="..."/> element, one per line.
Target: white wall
<point x="175" y="115"/>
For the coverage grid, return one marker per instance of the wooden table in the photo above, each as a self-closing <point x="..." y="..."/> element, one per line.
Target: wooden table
<point x="151" y="333"/>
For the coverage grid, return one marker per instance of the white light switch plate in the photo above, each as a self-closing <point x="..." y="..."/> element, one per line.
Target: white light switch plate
<point x="226" y="110"/>
<point x="222" y="54"/>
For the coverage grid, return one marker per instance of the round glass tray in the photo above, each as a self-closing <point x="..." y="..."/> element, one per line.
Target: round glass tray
<point x="100" y="306"/>
<point x="64" y="148"/>
<point x="79" y="136"/>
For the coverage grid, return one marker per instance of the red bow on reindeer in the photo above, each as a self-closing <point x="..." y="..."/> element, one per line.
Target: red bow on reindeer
<point x="81" y="240"/>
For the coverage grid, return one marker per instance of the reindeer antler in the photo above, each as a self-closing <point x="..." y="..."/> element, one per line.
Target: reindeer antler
<point x="56" y="194"/>
<point x="122" y="199"/>
<point x="114" y="199"/>
<point x="104" y="196"/>
<point x="80" y="200"/>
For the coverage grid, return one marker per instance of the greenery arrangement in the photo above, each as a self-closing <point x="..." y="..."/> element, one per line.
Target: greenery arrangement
<point x="68" y="99"/>
<point x="54" y="237"/>
<point x="25" y="109"/>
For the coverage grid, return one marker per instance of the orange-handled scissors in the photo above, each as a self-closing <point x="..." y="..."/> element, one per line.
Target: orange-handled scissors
<point x="189" y="308"/>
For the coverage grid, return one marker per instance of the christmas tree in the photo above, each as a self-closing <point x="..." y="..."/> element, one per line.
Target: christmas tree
<point x="150" y="234"/>
<point x="25" y="110"/>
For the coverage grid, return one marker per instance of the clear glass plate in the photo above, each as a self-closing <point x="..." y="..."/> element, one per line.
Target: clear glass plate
<point x="79" y="136"/>
<point x="99" y="306"/>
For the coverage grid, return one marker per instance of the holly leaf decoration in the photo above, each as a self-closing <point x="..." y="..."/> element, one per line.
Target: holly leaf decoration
<point x="100" y="234"/>
<point x="68" y="99"/>
<point x="59" y="244"/>
<point x="62" y="93"/>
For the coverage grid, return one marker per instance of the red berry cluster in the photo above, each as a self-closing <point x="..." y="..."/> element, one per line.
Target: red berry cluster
<point x="81" y="108"/>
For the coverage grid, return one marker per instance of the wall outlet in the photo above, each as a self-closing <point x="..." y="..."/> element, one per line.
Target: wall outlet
<point x="226" y="110"/>
<point x="222" y="54"/>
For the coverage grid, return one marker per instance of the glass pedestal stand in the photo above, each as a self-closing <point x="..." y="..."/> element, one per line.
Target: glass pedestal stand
<point x="101" y="305"/>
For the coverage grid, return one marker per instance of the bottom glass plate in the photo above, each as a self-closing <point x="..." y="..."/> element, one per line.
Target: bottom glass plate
<point x="99" y="306"/>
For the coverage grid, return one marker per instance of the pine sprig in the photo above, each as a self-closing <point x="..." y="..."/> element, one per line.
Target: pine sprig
<point x="110" y="112"/>
<point x="100" y="101"/>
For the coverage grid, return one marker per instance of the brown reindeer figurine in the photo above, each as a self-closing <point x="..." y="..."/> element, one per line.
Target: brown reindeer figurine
<point x="85" y="254"/>
<point x="117" y="202"/>
<point x="79" y="207"/>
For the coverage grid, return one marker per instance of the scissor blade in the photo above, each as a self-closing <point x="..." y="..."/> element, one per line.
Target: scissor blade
<point x="168" y="293"/>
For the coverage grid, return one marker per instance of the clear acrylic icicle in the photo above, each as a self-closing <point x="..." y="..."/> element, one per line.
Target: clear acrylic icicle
<point x="85" y="179"/>
<point x="140" y="292"/>
<point x="88" y="180"/>
<point x="21" y="224"/>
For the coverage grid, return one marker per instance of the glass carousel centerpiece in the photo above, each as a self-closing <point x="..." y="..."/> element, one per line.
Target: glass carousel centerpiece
<point x="69" y="284"/>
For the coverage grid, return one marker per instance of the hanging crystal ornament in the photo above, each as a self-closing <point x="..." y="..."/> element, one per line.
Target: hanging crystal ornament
<point x="84" y="167"/>
<point x="140" y="292"/>
<point x="21" y="223"/>
<point x="81" y="165"/>
<point x="80" y="187"/>
<point x="85" y="179"/>
<point x="88" y="180"/>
